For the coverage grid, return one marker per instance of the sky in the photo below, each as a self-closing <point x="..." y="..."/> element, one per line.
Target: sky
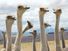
<point x="9" y="7"/>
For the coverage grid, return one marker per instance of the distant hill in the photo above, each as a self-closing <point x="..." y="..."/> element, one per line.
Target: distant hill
<point x="50" y="36"/>
<point x="1" y="36"/>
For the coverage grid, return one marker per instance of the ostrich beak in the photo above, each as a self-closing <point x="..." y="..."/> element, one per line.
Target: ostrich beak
<point x="27" y="7"/>
<point x="13" y="18"/>
<point x="29" y="26"/>
<point x="54" y="12"/>
<point x="49" y="25"/>
<point x="45" y="24"/>
<point x="46" y="10"/>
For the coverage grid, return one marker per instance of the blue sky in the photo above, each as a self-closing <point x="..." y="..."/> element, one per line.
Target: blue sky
<point x="9" y="7"/>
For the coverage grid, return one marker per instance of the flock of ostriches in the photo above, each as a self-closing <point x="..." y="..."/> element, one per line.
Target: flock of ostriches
<point x="44" y="42"/>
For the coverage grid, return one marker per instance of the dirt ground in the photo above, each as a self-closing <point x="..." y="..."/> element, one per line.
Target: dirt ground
<point x="28" y="46"/>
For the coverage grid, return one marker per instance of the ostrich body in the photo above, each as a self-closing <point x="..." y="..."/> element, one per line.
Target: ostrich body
<point x="29" y="26"/>
<point x="20" y="12"/>
<point x="57" y="40"/>
<point x="62" y="37"/>
<point x="42" y="28"/>
<point x="9" y="23"/>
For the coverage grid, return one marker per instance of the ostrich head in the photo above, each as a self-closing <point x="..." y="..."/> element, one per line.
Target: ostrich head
<point x="62" y="29"/>
<point x="43" y="11"/>
<point x="3" y="32"/>
<point x="29" y="26"/>
<point x="34" y="33"/>
<point x="22" y="9"/>
<point x="10" y="20"/>
<point x="46" y="25"/>
<point x="58" y="12"/>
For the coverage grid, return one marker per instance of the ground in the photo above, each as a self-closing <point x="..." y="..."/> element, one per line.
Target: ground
<point x="28" y="46"/>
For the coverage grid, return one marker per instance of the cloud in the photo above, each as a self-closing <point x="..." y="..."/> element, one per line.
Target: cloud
<point x="59" y="3"/>
<point x="7" y="6"/>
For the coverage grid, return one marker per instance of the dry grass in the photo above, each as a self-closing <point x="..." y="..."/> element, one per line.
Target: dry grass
<point x="28" y="46"/>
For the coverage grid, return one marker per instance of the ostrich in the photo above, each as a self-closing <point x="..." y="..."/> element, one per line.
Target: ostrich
<point x="34" y="33"/>
<point x="43" y="35"/>
<point x="29" y="26"/>
<point x="34" y="38"/>
<point x="62" y="38"/>
<point x="9" y="23"/>
<point x="57" y="40"/>
<point x="63" y="43"/>
<point x="20" y="11"/>
<point x="47" y="25"/>
<point x="4" y="38"/>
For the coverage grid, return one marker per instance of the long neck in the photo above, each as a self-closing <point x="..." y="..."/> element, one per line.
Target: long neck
<point x="8" y="28"/>
<point x="19" y="36"/>
<point x="9" y="42"/>
<point x="19" y="22"/>
<point x="4" y="37"/>
<point x="42" y="35"/>
<point x="34" y="47"/>
<point x="58" y="48"/>
<point x="41" y="18"/>
<point x="62" y="38"/>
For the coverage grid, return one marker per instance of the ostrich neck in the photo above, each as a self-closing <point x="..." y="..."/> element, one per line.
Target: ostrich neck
<point x="34" y="39"/>
<point x="9" y="42"/>
<point x="19" y="23"/>
<point x="43" y="35"/>
<point x="62" y="38"/>
<point x="58" y="48"/>
<point x="8" y="27"/>
<point x="62" y="32"/>
<point x="4" y="39"/>
<point x="19" y="36"/>
<point x="41" y="19"/>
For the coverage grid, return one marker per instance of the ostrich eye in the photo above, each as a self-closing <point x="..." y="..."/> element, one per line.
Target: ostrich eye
<point x="59" y="10"/>
<point x="42" y="9"/>
<point x="20" y="7"/>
